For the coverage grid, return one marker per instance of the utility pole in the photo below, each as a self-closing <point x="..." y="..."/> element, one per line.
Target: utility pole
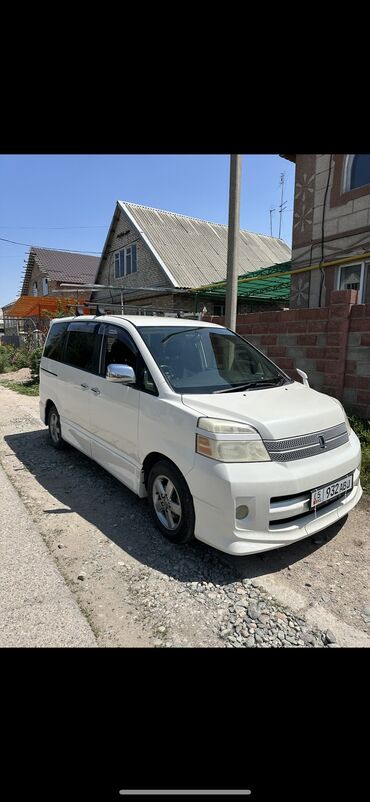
<point x="233" y="240"/>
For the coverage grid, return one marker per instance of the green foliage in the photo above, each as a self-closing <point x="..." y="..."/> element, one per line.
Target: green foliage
<point x="34" y="363"/>
<point x="20" y="359"/>
<point x="28" y="388"/>
<point x="62" y="310"/>
<point x="362" y="429"/>
<point x="7" y="354"/>
<point x="12" y="359"/>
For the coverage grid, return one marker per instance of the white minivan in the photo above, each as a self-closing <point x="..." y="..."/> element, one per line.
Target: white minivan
<point x="224" y="444"/>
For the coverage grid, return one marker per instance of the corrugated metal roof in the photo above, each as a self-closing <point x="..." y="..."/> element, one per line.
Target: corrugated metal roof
<point x="195" y="251"/>
<point x="61" y="266"/>
<point x="36" y="305"/>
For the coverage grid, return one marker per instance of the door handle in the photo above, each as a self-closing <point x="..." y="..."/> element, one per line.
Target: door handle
<point x="95" y="390"/>
<point x="85" y="386"/>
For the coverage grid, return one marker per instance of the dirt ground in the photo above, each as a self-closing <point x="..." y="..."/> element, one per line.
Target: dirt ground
<point x="137" y="589"/>
<point x="21" y="375"/>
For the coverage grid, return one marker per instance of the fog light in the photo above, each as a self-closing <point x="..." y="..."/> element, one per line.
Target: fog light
<point x="241" y="512"/>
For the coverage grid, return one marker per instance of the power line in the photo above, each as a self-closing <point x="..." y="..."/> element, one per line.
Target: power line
<point x="44" y="248"/>
<point x="45" y="228"/>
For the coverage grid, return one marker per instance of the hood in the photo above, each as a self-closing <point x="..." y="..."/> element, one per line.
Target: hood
<point x="276" y="412"/>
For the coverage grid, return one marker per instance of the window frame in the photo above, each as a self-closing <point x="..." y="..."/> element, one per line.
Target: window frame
<point x="120" y="258"/>
<point x="362" y="289"/>
<point x="347" y="174"/>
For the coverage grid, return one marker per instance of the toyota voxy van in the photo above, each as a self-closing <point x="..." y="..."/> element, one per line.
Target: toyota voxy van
<point x="224" y="445"/>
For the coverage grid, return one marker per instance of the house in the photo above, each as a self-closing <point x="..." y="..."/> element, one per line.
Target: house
<point x="159" y="258"/>
<point x="331" y="228"/>
<point x="47" y="269"/>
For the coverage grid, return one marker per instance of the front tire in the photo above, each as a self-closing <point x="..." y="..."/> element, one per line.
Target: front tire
<point x="55" y="429"/>
<point x="171" y="503"/>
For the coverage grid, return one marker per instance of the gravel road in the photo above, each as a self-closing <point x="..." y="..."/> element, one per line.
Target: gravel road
<point x="138" y="590"/>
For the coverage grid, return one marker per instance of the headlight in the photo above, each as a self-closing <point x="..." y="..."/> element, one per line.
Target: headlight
<point x="348" y="425"/>
<point x="223" y="444"/>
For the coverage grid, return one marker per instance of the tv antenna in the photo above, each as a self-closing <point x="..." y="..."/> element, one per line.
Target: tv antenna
<point x="282" y="203"/>
<point x="271" y="211"/>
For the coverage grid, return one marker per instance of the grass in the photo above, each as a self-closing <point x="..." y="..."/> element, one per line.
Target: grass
<point x="25" y="388"/>
<point x="362" y="429"/>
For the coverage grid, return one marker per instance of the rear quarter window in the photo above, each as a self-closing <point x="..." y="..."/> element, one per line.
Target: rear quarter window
<point x="55" y="341"/>
<point x="82" y="347"/>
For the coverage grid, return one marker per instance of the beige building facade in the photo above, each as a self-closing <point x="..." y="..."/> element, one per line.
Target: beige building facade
<point x="331" y="228"/>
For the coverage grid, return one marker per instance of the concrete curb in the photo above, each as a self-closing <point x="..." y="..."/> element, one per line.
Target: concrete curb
<point x="36" y="606"/>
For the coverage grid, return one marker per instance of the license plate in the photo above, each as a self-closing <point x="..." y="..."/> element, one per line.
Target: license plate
<point x="328" y="492"/>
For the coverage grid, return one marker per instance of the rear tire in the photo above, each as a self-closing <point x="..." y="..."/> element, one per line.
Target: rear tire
<point x="171" y="503"/>
<point x="55" y="429"/>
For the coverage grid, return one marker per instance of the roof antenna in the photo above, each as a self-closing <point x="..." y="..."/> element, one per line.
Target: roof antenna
<point x="283" y="203"/>
<point x="271" y="211"/>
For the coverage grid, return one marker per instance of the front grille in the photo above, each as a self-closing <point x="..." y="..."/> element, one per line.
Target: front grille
<point x="307" y="445"/>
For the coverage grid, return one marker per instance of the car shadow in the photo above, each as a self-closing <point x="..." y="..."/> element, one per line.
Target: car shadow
<point x="83" y="487"/>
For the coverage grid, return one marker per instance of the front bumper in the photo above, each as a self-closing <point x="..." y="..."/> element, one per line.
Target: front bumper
<point x="276" y="496"/>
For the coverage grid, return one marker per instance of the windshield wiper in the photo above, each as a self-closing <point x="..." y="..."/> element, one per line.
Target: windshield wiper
<point x="251" y="385"/>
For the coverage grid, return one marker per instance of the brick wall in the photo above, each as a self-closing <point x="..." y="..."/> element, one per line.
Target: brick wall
<point x="36" y="277"/>
<point x="149" y="272"/>
<point x="330" y="343"/>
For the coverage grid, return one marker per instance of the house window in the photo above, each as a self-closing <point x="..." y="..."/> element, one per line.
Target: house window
<point x="45" y="288"/>
<point x="34" y="288"/>
<point x="356" y="277"/>
<point x="219" y="309"/>
<point x="357" y="171"/>
<point x="125" y="261"/>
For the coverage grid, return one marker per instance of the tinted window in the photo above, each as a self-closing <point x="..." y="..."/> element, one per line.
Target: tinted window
<point x="119" y="348"/>
<point x="55" y="340"/>
<point x="82" y="346"/>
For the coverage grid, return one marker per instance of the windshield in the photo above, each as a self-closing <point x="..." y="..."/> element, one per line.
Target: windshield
<point x="209" y="360"/>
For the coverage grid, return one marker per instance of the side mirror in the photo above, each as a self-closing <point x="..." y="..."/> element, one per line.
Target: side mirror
<point x="304" y="377"/>
<point x="124" y="374"/>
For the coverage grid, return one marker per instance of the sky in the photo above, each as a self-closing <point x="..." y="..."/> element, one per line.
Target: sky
<point x="67" y="201"/>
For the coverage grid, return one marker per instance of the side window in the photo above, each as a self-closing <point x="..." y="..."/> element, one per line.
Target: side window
<point x="55" y="341"/>
<point x="82" y="349"/>
<point x="119" y="348"/>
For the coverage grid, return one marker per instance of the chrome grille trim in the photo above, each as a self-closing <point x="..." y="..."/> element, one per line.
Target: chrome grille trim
<point x="307" y="445"/>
